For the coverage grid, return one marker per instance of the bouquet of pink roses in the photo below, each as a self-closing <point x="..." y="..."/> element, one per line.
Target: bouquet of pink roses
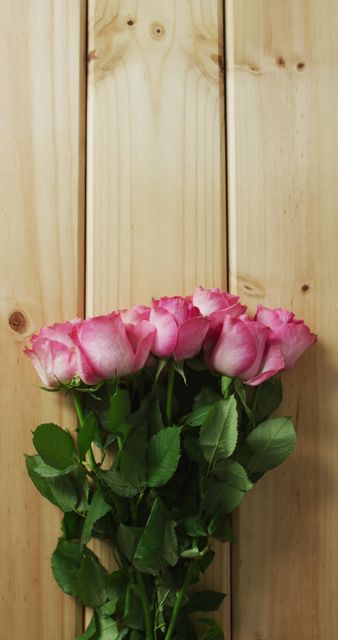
<point x="181" y="392"/>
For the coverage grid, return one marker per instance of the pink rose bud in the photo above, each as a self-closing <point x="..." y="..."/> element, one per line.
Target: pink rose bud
<point x="53" y="354"/>
<point x="292" y="336"/>
<point x="243" y="350"/>
<point x="180" y="328"/>
<point x="106" y="347"/>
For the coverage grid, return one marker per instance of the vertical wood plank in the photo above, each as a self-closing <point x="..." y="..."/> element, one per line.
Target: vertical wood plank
<point x="41" y="211"/>
<point x="156" y="218"/>
<point x="283" y="225"/>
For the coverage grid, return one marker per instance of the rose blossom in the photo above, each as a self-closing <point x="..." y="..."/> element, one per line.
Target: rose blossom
<point x="243" y="350"/>
<point x="292" y="336"/>
<point x="180" y="328"/>
<point x="106" y="347"/>
<point x="53" y="354"/>
<point x="212" y="301"/>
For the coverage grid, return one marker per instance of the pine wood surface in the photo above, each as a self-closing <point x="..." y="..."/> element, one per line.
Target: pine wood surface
<point x="41" y="235"/>
<point x="282" y="95"/>
<point x="155" y="159"/>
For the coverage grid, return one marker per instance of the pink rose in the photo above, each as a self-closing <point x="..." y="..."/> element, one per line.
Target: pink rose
<point x="292" y="336"/>
<point x="107" y="347"/>
<point x="136" y="313"/>
<point x="53" y="354"/>
<point x="243" y="350"/>
<point x="180" y="328"/>
<point x="212" y="301"/>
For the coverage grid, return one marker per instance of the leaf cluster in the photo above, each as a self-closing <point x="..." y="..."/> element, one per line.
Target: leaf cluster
<point x="166" y="493"/>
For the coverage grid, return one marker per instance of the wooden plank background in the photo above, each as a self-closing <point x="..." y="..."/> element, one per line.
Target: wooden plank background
<point x="156" y="224"/>
<point x="156" y="172"/>
<point x="283" y="227"/>
<point x="41" y="260"/>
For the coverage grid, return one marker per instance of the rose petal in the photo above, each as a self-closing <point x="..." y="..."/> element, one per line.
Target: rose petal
<point x="190" y="338"/>
<point x="53" y="361"/>
<point x="103" y="348"/>
<point x="166" y="332"/>
<point x="141" y="336"/>
<point x="235" y="350"/>
<point x="273" y="362"/>
<point x="293" y="340"/>
<point x="210" y="300"/>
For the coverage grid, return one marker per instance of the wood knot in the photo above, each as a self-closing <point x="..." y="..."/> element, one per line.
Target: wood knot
<point x="301" y="66"/>
<point x="305" y="287"/>
<point x="92" y="55"/>
<point x="217" y="59"/>
<point x="157" y="30"/>
<point x="280" y="62"/>
<point x="17" y="322"/>
<point x="130" y="22"/>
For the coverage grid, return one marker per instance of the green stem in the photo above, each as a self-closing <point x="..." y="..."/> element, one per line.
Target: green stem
<point x="178" y="604"/>
<point x="145" y="605"/>
<point x="170" y="392"/>
<point x="81" y="417"/>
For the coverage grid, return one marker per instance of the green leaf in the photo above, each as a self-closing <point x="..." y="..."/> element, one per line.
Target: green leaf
<point x="154" y="417"/>
<point x="193" y="527"/>
<point x="192" y="553"/>
<point x="116" y="590"/>
<point x="91" y="583"/>
<point x="133" y="457"/>
<point x="55" y="446"/>
<point x="269" y="397"/>
<point x="107" y="628"/>
<point x="119" y="410"/>
<point x="206" y="396"/>
<point x="117" y="483"/>
<point x="197" y="416"/>
<point x="169" y="550"/>
<point x="226" y="383"/>
<point x="218" y="435"/>
<point x="127" y="539"/>
<point x="97" y="509"/>
<point x="205" y="561"/>
<point x="272" y="442"/>
<point x="133" y="614"/>
<point x="86" y="434"/>
<point x="66" y="561"/>
<point x="204" y="601"/>
<point x="163" y="557"/>
<point x="193" y="450"/>
<point x="153" y="534"/>
<point x="80" y="482"/>
<point x="214" y="632"/>
<point x="220" y="529"/>
<point x="58" y="490"/>
<point x="233" y="474"/>
<point x="197" y="364"/>
<point x="220" y="496"/>
<point x="163" y="454"/>
<point x="90" y="633"/>
<point x="72" y="525"/>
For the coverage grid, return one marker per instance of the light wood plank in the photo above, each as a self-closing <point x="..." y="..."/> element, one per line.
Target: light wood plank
<point x="41" y="261"/>
<point x="156" y="218"/>
<point x="283" y="225"/>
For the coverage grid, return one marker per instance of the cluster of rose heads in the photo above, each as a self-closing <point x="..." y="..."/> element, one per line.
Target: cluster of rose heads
<point x="211" y="323"/>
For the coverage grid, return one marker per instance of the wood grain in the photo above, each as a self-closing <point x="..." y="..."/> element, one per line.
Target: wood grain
<point x="156" y="217"/>
<point x="41" y="261"/>
<point x="282" y="94"/>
